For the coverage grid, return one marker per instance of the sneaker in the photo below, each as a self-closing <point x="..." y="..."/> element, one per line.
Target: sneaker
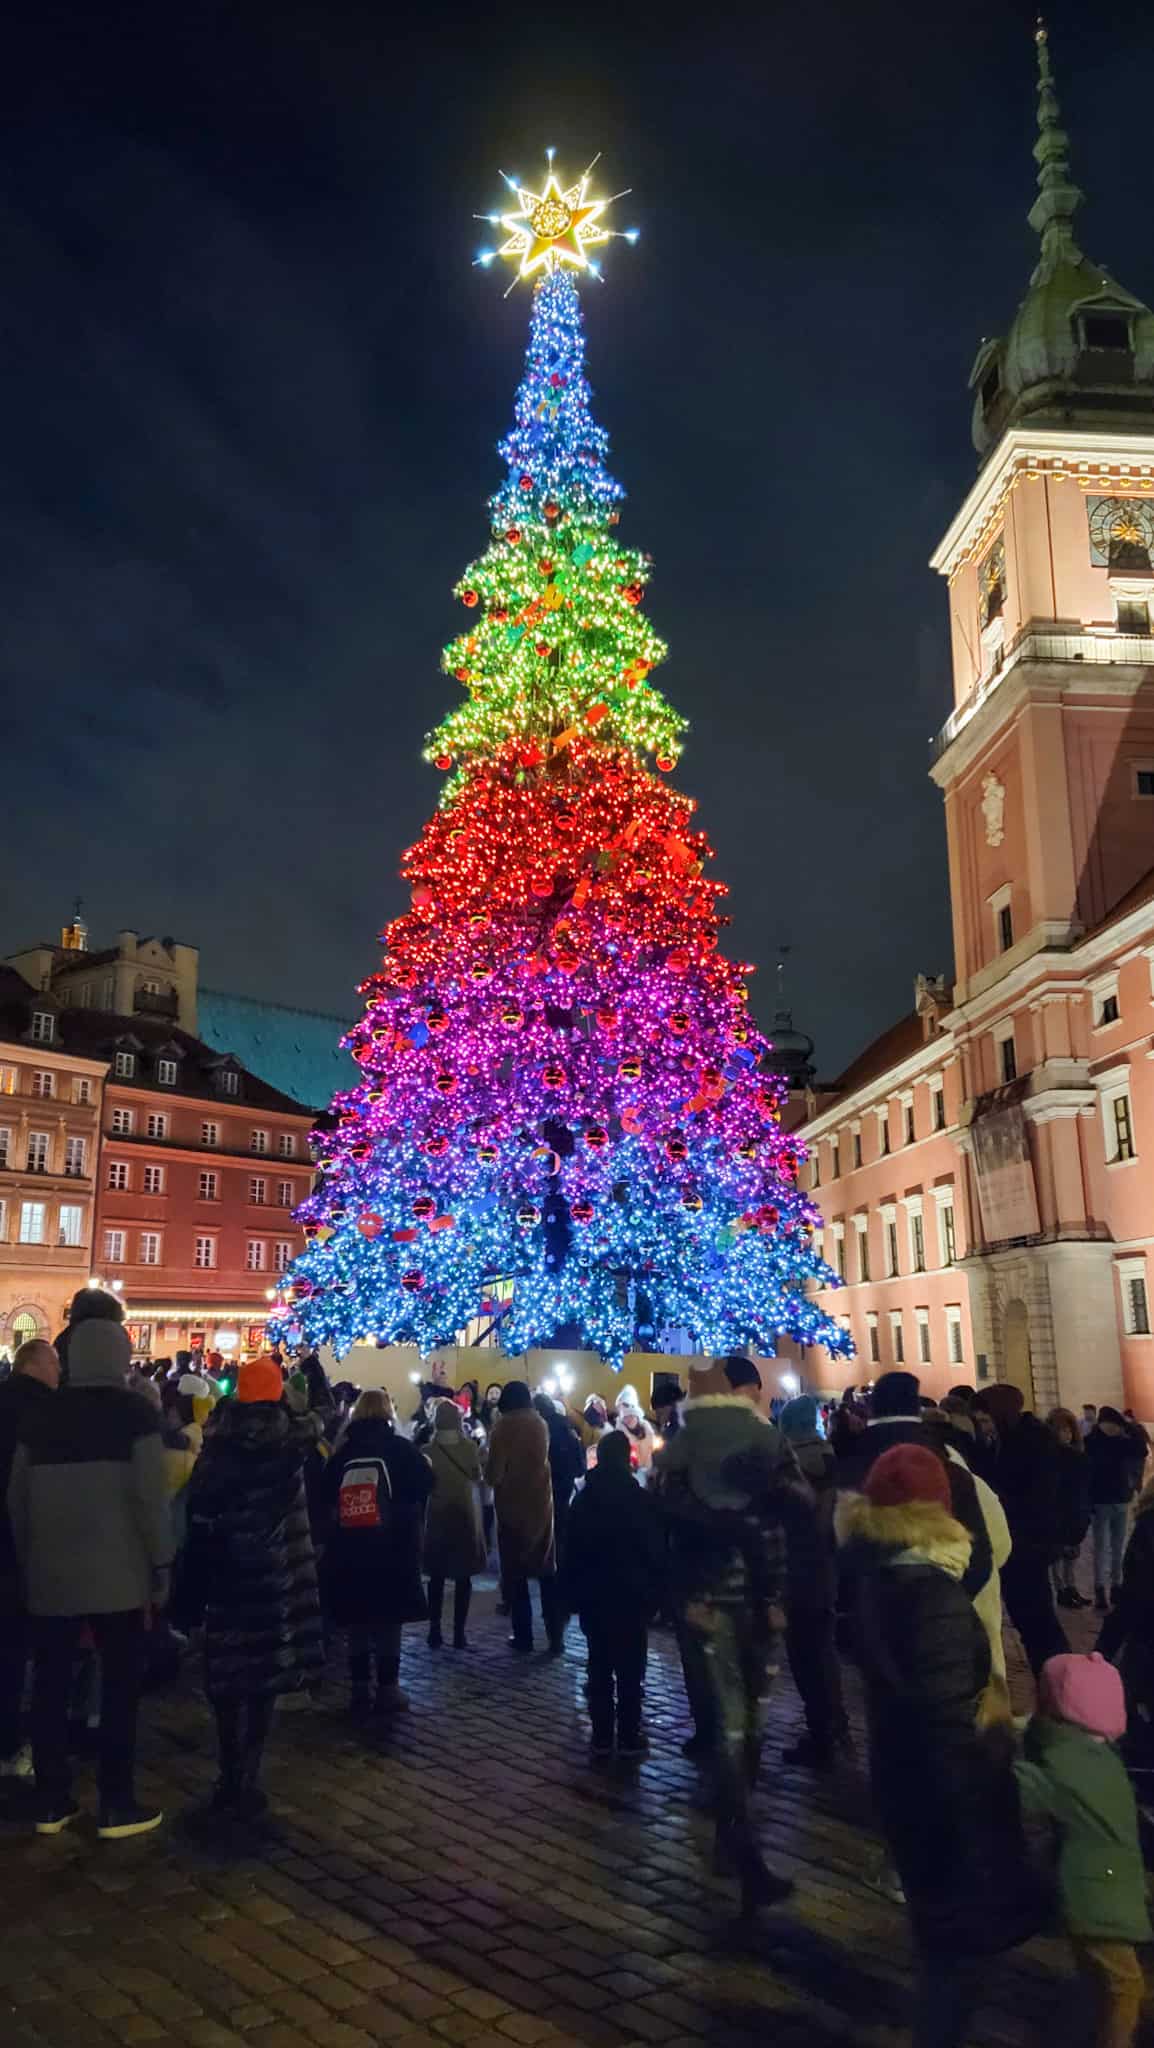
<point x="885" y="1880"/>
<point x="19" y="1764"/>
<point x="391" y="1699"/>
<point x="52" y="1820"/>
<point x="117" y="1823"/>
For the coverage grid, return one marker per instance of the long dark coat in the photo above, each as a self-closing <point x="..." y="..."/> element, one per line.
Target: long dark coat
<point x="251" y="1554"/>
<point x="454" y="1534"/>
<point x="372" y="1577"/>
<point x="519" y="1473"/>
<point x="946" y="1798"/>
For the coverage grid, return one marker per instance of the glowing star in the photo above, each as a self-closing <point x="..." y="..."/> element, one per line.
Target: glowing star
<point x="555" y="227"/>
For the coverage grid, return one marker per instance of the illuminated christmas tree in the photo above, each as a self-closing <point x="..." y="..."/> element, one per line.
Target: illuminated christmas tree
<point x="562" y="1087"/>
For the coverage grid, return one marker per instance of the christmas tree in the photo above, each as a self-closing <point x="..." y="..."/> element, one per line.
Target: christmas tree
<point x="561" y="1084"/>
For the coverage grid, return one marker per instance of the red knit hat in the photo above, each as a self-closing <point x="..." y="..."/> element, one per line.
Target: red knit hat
<point x="1086" y="1691"/>
<point x="260" y="1379"/>
<point x="906" y="1473"/>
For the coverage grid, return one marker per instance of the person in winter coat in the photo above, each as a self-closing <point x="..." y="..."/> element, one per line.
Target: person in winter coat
<point x="455" y="1545"/>
<point x="32" y="1383"/>
<point x="519" y="1473"/>
<point x="807" y="1504"/>
<point x="727" y="1571"/>
<point x="373" y="1495"/>
<point x="1127" y="1635"/>
<point x="640" y="1433"/>
<point x="1074" y="1504"/>
<point x="88" y="1305"/>
<point x="612" y="1580"/>
<point x="944" y="1793"/>
<point x="1113" y="1468"/>
<point x="1026" y="1474"/>
<point x="566" y="1465"/>
<point x="896" y="1417"/>
<point x="1074" y="1775"/>
<point x="90" y="1522"/>
<point x="950" y="1430"/>
<point x="250" y="1555"/>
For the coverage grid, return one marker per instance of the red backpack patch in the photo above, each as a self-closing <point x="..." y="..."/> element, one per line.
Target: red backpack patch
<point x="365" y="1496"/>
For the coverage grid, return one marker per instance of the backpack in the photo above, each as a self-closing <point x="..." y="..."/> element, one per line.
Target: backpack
<point x="365" y="1495"/>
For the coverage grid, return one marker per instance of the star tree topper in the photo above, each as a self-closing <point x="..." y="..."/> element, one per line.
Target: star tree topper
<point x="554" y="227"/>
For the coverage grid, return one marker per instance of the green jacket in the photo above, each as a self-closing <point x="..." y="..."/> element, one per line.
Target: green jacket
<point x="1082" y="1785"/>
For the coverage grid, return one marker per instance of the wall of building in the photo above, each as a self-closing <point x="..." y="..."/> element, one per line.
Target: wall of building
<point x="37" y="1280"/>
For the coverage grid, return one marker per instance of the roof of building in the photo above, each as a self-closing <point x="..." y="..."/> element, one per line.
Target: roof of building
<point x="1141" y="892"/>
<point x="98" y="1034"/>
<point x="1048" y="370"/>
<point x="298" y="1051"/>
<point x="898" y="1042"/>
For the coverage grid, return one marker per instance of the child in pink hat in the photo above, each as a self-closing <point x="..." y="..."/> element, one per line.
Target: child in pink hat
<point x="1073" y="1774"/>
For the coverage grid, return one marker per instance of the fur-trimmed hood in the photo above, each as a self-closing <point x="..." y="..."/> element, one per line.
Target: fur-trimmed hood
<point x="916" y="1532"/>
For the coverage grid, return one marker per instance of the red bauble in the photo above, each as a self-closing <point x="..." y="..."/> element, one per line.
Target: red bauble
<point x="444" y="762"/>
<point x="542" y="885"/>
<point x="607" y="1019"/>
<point x="481" y="970"/>
<point x="597" y="1137"/>
<point x="551" y="509"/>
<point x="679" y="1022"/>
<point x="435" y="1147"/>
<point x="630" y="1069"/>
<point x="423" y="1206"/>
<point x="487" y="1155"/>
<point x="362" y="1150"/>
<point x="445" y="1083"/>
<point x="632" y="593"/>
<point x="310" y="1229"/>
<point x="556" y="380"/>
<point x="596" y="713"/>
<point x="542" y="647"/>
<point x="526" y="481"/>
<point x="512" y="1018"/>
<point x="513" y="534"/>
<point x="676" y="1149"/>
<point x="370" y="1224"/>
<point x="531" y="756"/>
<point x="437" y="1020"/>
<point x="527" y="1215"/>
<point x="691" y="1200"/>
<point x="412" y="1282"/>
<point x="404" y="1237"/>
<point x="470" y="598"/>
<point x="667" y="763"/>
<point x="545" y="566"/>
<point x="581" y="1212"/>
<point x="462" y="674"/>
<point x="499" y="614"/>
<point x="747" y="1151"/>
<point x="564" y="818"/>
<point x="678" y="961"/>
<point x="554" y="1076"/>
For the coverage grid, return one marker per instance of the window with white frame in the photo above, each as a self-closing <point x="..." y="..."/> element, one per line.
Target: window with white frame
<point x="922" y="1318"/>
<point x="839" y="1249"/>
<point x="834" y="1159"/>
<point x="947" y="1237"/>
<point x="39" y="1149"/>
<point x="3" y="1221"/>
<point x="5" y="1145"/>
<point x="286" y="1145"/>
<point x="938" y="1107"/>
<point x="43" y="1027"/>
<point x="1117" y="1116"/>
<point x="70" y="1224"/>
<point x="282" y="1256"/>
<point x="954" y="1343"/>
<point x="872" y="1337"/>
<point x="258" y="1142"/>
<point x="33" y="1217"/>
<point x="166" y="1073"/>
<point x="210" y="1134"/>
<point x="897" y="1336"/>
<point x="43" y="1084"/>
<point x="118" y="1175"/>
<point x="916" y="1228"/>
<point x="124" y="1066"/>
<point x="114" y="1247"/>
<point x="158" y="1123"/>
<point x="883" y="1117"/>
<point x="75" y="1157"/>
<point x="153" y="1180"/>
<point x="254" y="1257"/>
<point x="123" y="1123"/>
<point x="229" y="1081"/>
<point x="890" y="1234"/>
<point x="1135" y="1300"/>
<point x="1005" y="1052"/>
<point x="1002" y="911"/>
<point x="855" y="1134"/>
<point x="286" y="1194"/>
<point x="1104" y="1001"/>
<point x="258" y="1190"/>
<point x="150" y="1247"/>
<point x="862" y="1226"/>
<point x="815" y="1167"/>
<point x="909" y="1125"/>
<point x="204" y="1255"/>
<point x="208" y="1187"/>
<point x="81" y="1089"/>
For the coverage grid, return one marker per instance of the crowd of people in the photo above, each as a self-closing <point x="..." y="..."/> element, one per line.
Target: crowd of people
<point x="266" y="1518"/>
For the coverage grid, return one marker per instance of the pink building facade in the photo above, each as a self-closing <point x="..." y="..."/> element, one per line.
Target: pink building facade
<point x="986" y="1169"/>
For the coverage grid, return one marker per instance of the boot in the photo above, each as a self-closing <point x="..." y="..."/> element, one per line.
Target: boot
<point x="1100" y="1600"/>
<point x="462" y="1598"/>
<point x="436" y="1610"/>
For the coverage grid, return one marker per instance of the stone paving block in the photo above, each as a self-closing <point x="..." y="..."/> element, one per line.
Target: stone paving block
<point x="380" y="2021"/>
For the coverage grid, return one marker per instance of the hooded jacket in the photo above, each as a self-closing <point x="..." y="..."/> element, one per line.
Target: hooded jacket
<point x="946" y="1800"/>
<point x="88" y="1495"/>
<point x="712" y="1480"/>
<point x="614" y="1550"/>
<point x="1081" y="1784"/>
<point x="454" y="1538"/>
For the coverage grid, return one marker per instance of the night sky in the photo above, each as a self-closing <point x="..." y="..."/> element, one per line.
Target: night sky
<point x="251" y="389"/>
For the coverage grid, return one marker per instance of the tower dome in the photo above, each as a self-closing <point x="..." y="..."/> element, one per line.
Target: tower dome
<point x="1080" y="348"/>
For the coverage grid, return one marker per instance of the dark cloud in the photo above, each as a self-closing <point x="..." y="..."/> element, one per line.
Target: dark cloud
<point x="251" y="388"/>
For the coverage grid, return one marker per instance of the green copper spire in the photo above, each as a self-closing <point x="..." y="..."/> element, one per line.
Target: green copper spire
<point x="1052" y="213"/>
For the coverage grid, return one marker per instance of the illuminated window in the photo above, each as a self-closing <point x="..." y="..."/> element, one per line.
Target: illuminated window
<point x="875" y="1349"/>
<point x="923" y="1321"/>
<point x="43" y="1085"/>
<point x="150" y="1248"/>
<point x="114" y="1246"/>
<point x="70" y="1224"/>
<point x="282" y="1256"/>
<point x="954" y="1336"/>
<point x="897" y="1337"/>
<point x="32" y="1222"/>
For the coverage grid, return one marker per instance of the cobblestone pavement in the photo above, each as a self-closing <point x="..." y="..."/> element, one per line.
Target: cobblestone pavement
<point x="464" y="1876"/>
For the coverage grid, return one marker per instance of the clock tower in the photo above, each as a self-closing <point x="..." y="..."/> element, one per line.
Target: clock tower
<point x="1046" y="764"/>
